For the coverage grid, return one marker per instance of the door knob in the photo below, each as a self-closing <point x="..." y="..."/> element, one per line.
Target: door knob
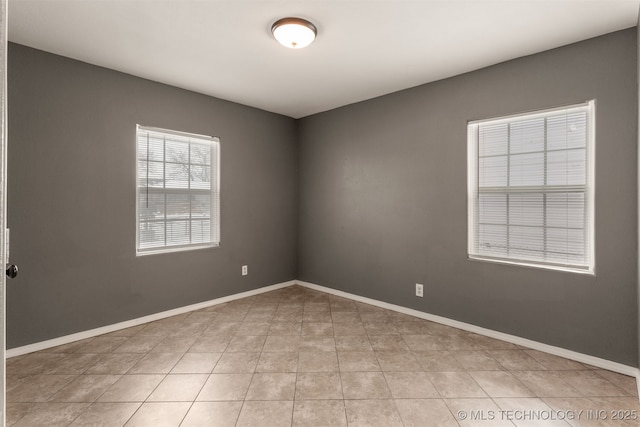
<point x="12" y="271"/>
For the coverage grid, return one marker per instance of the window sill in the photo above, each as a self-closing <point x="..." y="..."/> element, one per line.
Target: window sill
<point x="175" y="249"/>
<point x="566" y="269"/>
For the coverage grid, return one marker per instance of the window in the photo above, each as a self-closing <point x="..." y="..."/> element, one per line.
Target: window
<point x="530" y="189"/>
<point x="177" y="191"/>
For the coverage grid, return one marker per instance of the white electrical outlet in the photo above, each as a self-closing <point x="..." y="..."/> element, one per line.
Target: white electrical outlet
<point x="245" y="270"/>
<point x="419" y="290"/>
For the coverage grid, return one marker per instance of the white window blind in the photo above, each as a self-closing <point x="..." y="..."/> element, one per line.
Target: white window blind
<point x="177" y="191"/>
<point x="531" y="188"/>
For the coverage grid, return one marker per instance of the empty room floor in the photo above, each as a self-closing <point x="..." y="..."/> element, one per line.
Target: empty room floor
<point x="299" y="357"/>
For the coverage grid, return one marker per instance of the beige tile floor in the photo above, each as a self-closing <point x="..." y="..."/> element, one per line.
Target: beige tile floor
<point x="298" y="357"/>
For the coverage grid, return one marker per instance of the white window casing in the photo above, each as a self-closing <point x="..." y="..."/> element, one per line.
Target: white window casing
<point x="178" y="194"/>
<point x="531" y="189"/>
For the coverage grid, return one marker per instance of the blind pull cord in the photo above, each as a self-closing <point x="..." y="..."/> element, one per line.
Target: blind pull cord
<point x="147" y="189"/>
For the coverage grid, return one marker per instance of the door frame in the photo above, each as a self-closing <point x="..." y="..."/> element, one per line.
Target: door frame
<point x="3" y="204"/>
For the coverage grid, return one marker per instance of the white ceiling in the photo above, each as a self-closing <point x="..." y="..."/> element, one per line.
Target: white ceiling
<point x="364" y="48"/>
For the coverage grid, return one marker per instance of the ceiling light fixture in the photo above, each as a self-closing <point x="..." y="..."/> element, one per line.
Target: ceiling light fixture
<point x="294" y="33"/>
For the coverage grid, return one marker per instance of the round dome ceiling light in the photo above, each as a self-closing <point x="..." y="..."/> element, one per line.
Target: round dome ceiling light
<point x="294" y="33"/>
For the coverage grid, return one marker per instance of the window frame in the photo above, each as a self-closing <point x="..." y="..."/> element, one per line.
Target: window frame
<point x="589" y="190"/>
<point x="214" y="192"/>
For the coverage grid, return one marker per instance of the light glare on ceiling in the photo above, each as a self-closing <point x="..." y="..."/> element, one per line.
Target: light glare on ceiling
<point x="294" y="33"/>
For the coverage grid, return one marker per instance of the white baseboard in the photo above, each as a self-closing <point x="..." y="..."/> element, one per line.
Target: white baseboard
<point x="535" y="345"/>
<point x="558" y="351"/>
<point x="43" y="345"/>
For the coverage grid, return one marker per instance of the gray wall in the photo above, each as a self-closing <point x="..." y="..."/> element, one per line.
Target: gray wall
<point x="72" y="198"/>
<point x="383" y="200"/>
<point x="369" y="198"/>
